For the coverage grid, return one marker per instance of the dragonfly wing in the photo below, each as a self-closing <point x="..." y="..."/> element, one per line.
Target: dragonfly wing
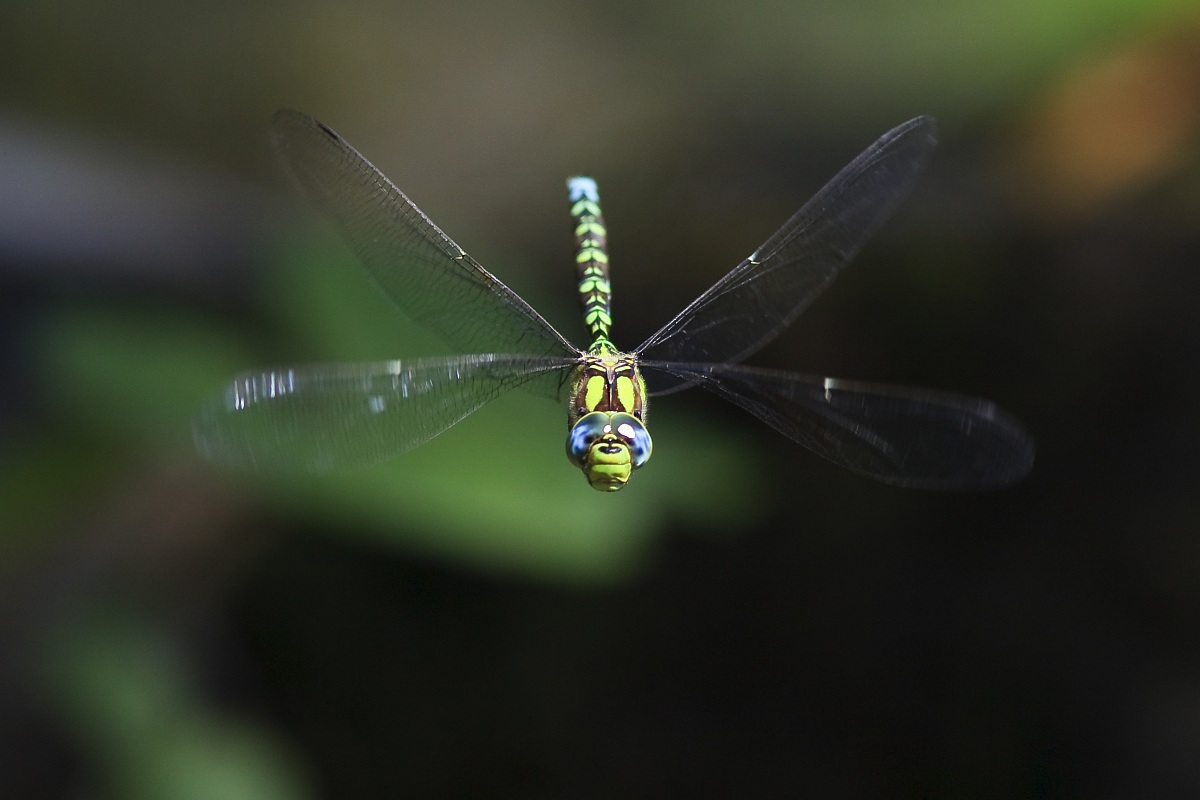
<point x="332" y="416"/>
<point x="416" y="265"/>
<point x="902" y="436"/>
<point x="766" y="292"/>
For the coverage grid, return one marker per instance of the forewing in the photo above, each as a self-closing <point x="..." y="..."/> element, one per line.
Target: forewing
<point x="902" y="436"/>
<point x="415" y="264"/>
<point x="766" y="292"/>
<point x="331" y="416"/>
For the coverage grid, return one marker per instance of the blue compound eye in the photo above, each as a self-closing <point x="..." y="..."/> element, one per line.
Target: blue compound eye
<point x="587" y="430"/>
<point x="634" y="433"/>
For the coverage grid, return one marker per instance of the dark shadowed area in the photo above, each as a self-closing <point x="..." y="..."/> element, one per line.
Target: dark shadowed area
<point x="471" y="620"/>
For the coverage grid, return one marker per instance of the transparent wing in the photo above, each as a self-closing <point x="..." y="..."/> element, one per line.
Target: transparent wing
<point x="766" y="292"/>
<point x="907" y="437"/>
<point x="416" y="265"/>
<point x="332" y="416"/>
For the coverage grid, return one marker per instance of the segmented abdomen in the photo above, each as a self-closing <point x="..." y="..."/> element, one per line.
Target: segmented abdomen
<point x="591" y="258"/>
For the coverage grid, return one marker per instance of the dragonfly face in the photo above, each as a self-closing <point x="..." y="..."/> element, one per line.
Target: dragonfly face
<point x="608" y="447"/>
<point x="608" y="438"/>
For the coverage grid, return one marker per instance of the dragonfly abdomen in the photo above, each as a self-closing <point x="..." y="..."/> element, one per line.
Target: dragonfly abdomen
<point x="591" y="257"/>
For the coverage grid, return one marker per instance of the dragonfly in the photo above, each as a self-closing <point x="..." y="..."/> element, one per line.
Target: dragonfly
<point x="333" y="416"/>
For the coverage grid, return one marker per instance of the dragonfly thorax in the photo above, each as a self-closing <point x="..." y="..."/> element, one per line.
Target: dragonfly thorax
<point x="609" y="381"/>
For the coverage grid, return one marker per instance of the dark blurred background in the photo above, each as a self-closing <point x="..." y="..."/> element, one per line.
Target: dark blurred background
<point x="745" y="620"/>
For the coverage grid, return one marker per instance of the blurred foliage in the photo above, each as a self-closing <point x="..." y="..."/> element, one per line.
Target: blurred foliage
<point x="496" y="490"/>
<point x="1115" y="123"/>
<point x="126" y="694"/>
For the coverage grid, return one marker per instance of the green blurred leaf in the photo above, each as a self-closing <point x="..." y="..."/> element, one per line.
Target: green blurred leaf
<point x="125" y="693"/>
<point x="38" y="476"/>
<point x="496" y="491"/>
<point x="132" y="374"/>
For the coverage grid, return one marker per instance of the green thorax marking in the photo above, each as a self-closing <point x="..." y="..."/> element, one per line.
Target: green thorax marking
<point x="609" y="382"/>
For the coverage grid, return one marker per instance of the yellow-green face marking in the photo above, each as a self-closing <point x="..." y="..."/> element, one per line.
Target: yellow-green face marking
<point x="608" y="447"/>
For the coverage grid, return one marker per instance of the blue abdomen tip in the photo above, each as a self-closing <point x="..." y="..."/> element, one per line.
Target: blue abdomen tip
<point x="581" y="188"/>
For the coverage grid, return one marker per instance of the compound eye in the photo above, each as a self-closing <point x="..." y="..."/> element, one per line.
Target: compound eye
<point x="634" y="433"/>
<point x="587" y="430"/>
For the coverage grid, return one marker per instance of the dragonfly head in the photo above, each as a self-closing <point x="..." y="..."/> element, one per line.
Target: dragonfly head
<point x="608" y="447"/>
